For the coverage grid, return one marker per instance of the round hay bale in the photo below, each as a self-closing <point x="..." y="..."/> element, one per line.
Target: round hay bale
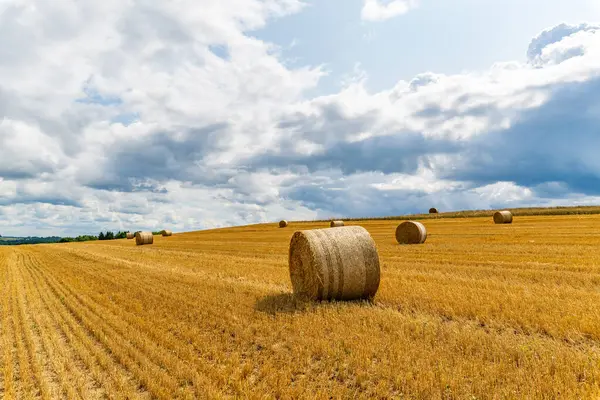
<point x="335" y="224"/>
<point x="411" y="232"/>
<point x="503" y="217"/>
<point x="129" y="235"/>
<point x="283" y="223"/>
<point x="166" y="232"/>
<point x="142" y="238"/>
<point x="433" y="210"/>
<point x="334" y="264"/>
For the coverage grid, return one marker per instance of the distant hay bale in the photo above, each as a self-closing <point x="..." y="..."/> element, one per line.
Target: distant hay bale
<point x="411" y="232"/>
<point x="165" y="232"/>
<point x="433" y="210"/>
<point x="283" y="223"/>
<point x="335" y="224"/>
<point x="130" y="235"/>
<point x="503" y="217"/>
<point x="334" y="264"/>
<point x="142" y="238"/>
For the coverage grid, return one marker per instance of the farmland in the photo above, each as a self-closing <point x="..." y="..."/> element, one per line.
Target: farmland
<point x="478" y="311"/>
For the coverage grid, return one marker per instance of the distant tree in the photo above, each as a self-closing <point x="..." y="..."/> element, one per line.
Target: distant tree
<point x="101" y="236"/>
<point x="109" y="235"/>
<point x="81" y="238"/>
<point x="121" y="235"/>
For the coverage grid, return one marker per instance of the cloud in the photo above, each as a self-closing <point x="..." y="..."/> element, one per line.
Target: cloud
<point x="176" y="116"/>
<point x="558" y="44"/>
<point x="379" y="10"/>
<point x="530" y="128"/>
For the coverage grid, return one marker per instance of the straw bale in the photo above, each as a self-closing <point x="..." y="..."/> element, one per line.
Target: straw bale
<point x="411" y="232"/>
<point x="130" y="235"/>
<point x="283" y="223"/>
<point x="166" y="232"/>
<point x="334" y="264"/>
<point x="335" y="224"/>
<point x="433" y="210"/>
<point x="503" y="217"/>
<point x="142" y="238"/>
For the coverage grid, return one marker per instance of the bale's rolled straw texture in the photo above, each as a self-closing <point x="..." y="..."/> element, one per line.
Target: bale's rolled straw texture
<point x="283" y="223"/>
<point x="130" y="235"/>
<point x="142" y="238"/>
<point x="334" y="264"/>
<point x="433" y="210"/>
<point x="166" y="233"/>
<point x="411" y="232"/>
<point x="335" y="224"/>
<point x="503" y="217"/>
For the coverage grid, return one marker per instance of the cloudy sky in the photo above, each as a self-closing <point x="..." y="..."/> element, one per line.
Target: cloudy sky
<point x="187" y="114"/>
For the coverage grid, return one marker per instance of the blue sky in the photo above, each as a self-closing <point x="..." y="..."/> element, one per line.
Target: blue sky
<point x="156" y="114"/>
<point x="439" y="36"/>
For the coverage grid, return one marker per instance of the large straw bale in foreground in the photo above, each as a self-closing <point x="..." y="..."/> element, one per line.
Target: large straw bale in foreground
<point x="411" y="232"/>
<point x="334" y="264"/>
<point x="142" y="238"/>
<point x="503" y="217"/>
<point x="433" y="210"/>
<point x="129" y="235"/>
<point x="283" y="223"/>
<point x="165" y="232"/>
<point x="335" y="224"/>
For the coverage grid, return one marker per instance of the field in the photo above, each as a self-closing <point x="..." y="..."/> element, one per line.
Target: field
<point x="479" y="311"/>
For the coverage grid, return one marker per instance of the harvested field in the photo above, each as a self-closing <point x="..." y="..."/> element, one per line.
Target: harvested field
<point x="478" y="311"/>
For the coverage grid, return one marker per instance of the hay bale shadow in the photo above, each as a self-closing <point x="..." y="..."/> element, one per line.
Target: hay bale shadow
<point x="288" y="303"/>
<point x="283" y="303"/>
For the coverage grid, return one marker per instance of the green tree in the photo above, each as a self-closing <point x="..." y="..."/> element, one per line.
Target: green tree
<point x="101" y="236"/>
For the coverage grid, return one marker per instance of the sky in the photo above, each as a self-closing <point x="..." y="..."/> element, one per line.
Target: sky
<point x="188" y="115"/>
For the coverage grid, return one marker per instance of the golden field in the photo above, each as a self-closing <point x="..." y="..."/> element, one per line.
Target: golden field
<point x="479" y="311"/>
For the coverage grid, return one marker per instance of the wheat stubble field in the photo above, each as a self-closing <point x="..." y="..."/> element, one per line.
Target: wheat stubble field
<point x="478" y="311"/>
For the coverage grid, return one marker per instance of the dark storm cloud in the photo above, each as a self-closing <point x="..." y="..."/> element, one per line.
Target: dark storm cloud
<point x="556" y="142"/>
<point x="161" y="157"/>
<point x="361" y="200"/>
<point x="329" y="124"/>
<point x="399" y="153"/>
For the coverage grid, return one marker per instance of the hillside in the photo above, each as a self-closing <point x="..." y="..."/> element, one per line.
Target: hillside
<point x="519" y="212"/>
<point x="9" y="240"/>
<point x="478" y="311"/>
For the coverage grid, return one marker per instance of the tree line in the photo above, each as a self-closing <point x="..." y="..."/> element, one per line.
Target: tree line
<point x="28" y="240"/>
<point x="109" y="235"/>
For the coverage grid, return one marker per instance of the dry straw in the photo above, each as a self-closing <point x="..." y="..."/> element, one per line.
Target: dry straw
<point x="166" y="232"/>
<point x="411" y="232"/>
<point x="503" y="217"/>
<point x="283" y="223"/>
<point x="335" y="224"/>
<point x="433" y="210"/>
<point x="130" y="235"/>
<point x="142" y="238"/>
<point x="334" y="264"/>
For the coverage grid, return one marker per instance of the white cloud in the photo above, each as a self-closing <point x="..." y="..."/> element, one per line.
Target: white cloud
<point x="379" y="10"/>
<point x="117" y="115"/>
<point x="483" y="139"/>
